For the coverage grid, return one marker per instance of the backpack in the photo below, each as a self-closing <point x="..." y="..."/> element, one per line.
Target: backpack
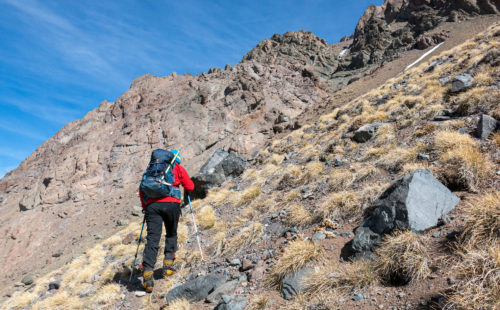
<point x="158" y="178"/>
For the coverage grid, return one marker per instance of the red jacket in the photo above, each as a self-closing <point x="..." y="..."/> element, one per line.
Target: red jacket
<point x="181" y="177"/>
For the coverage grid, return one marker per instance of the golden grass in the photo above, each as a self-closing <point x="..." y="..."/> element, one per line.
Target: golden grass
<point x="482" y="227"/>
<point x="246" y="196"/>
<point x="340" y="180"/>
<point x="107" y="294"/>
<point x="217" y="196"/>
<point x="496" y="138"/>
<point x="402" y="258"/>
<point x="205" y="217"/>
<point x="297" y="215"/>
<point x="346" y="205"/>
<point x="258" y="303"/>
<point x="474" y="168"/>
<point x="478" y="275"/>
<point x="246" y="237"/>
<point x="297" y="255"/>
<point x="61" y="300"/>
<point x="396" y="158"/>
<point x="179" y="304"/>
<point x="341" y="279"/>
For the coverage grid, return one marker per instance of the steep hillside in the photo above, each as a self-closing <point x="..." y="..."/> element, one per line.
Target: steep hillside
<point x="294" y="210"/>
<point x="81" y="184"/>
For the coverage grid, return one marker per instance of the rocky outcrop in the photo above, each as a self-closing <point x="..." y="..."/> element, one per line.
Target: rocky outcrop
<point x="397" y="25"/>
<point x="219" y="167"/>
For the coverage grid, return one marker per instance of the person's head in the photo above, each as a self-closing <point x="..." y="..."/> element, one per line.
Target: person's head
<point x="178" y="156"/>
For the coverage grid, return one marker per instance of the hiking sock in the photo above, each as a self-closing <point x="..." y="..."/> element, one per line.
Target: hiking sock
<point x="148" y="280"/>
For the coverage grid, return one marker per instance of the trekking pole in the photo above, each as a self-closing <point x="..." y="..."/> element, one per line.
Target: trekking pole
<point x="137" y="251"/>
<point x="195" y="228"/>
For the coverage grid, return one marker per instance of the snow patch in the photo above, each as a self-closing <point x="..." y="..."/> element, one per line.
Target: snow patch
<point x="423" y="56"/>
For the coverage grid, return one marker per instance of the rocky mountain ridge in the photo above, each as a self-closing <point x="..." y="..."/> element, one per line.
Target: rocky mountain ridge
<point x="89" y="170"/>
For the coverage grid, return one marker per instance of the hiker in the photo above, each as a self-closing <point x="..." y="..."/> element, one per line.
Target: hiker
<point x="162" y="180"/>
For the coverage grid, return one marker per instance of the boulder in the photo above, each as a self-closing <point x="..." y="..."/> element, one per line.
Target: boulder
<point x="224" y="289"/>
<point x="366" y="132"/>
<point x="196" y="289"/>
<point x="461" y="82"/>
<point x="292" y="284"/>
<point x="417" y="201"/>
<point x="216" y="170"/>
<point x="485" y="126"/>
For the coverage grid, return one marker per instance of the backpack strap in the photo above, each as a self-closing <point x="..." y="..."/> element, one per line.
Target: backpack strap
<point x="170" y="165"/>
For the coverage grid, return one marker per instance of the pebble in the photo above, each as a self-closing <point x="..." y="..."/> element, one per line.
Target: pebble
<point x="235" y="262"/>
<point x="358" y="297"/>
<point x="450" y="280"/>
<point x="27" y="280"/>
<point x="436" y="234"/>
<point x="140" y="293"/>
<point x="318" y="236"/>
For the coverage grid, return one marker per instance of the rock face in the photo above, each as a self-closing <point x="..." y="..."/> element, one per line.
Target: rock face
<point x="197" y="289"/>
<point x="397" y="25"/>
<point x="220" y="166"/>
<point x="86" y="176"/>
<point x="417" y="201"/>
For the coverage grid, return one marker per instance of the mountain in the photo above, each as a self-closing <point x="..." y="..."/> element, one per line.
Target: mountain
<point x="81" y="184"/>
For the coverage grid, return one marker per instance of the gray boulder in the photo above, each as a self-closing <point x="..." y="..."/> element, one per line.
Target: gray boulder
<point x="234" y="304"/>
<point x="292" y="284"/>
<point x="461" y="82"/>
<point x="196" y="289"/>
<point x="485" y="126"/>
<point x="216" y="170"/>
<point x="417" y="201"/>
<point x="366" y="132"/>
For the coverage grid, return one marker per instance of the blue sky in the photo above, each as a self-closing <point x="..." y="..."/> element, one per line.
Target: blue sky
<point x="60" y="59"/>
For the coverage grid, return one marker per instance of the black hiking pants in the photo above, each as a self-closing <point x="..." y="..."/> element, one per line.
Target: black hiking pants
<point x="157" y="213"/>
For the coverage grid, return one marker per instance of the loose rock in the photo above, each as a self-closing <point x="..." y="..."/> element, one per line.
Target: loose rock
<point x="485" y="126"/>
<point x="196" y="289"/>
<point x="461" y="82"/>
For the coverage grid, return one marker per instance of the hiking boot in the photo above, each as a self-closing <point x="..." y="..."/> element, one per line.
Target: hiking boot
<point x="148" y="280"/>
<point x="167" y="268"/>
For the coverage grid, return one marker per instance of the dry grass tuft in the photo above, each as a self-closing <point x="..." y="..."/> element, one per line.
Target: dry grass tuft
<point x="246" y="237"/>
<point x="496" y="138"/>
<point x="342" y="279"/>
<point x="346" y="205"/>
<point x="179" y="304"/>
<point x="462" y="156"/>
<point x="402" y="258"/>
<point x="297" y="215"/>
<point x="246" y="196"/>
<point x="396" y="158"/>
<point x="259" y="303"/>
<point x="478" y="275"/>
<point x="297" y="255"/>
<point x="340" y="180"/>
<point x="206" y="217"/>
<point x="482" y="227"/>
